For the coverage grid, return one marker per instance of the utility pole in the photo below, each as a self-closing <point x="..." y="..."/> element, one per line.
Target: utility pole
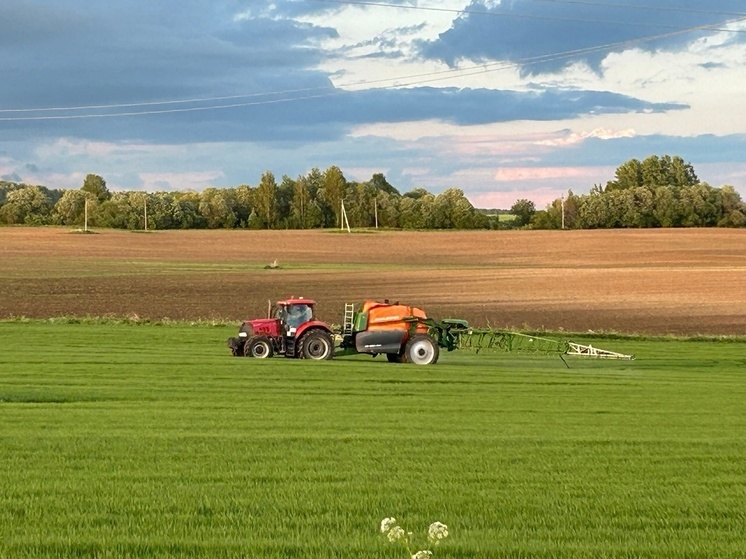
<point x="343" y="219"/>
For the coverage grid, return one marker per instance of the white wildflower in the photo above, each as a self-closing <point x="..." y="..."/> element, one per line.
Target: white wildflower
<point x="395" y="534"/>
<point x="387" y="524"/>
<point x="424" y="554"/>
<point x="437" y="532"/>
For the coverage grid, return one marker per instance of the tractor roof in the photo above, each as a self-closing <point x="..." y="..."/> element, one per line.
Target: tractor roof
<point x="297" y="301"/>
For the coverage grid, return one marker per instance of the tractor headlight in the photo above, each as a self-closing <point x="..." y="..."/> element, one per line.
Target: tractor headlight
<point x="243" y="335"/>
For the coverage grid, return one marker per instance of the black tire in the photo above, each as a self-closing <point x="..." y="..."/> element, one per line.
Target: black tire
<point x="316" y="344"/>
<point x="259" y="347"/>
<point x="394" y="357"/>
<point x="421" y="350"/>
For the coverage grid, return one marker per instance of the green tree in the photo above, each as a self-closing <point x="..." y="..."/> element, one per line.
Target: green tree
<point x="666" y="206"/>
<point x="300" y="203"/>
<point x="244" y="197"/>
<point x="700" y="206"/>
<point x="360" y="204"/>
<point x="124" y="210"/>
<point x="627" y="175"/>
<point x="185" y="211"/>
<point x="653" y="172"/>
<point x="639" y="208"/>
<point x="216" y="207"/>
<point x="387" y="206"/>
<point x="379" y="182"/>
<point x="266" y="200"/>
<point x="70" y="209"/>
<point x="28" y="205"/>
<point x="284" y="196"/>
<point x="524" y="211"/>
<point x="335" y="186"/>
<point x="96" y="185"/>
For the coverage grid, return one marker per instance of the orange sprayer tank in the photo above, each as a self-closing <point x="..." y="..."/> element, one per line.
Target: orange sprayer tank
<point x="388" y="316"/>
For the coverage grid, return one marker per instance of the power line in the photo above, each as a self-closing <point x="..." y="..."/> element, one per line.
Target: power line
<point x="533" y="16"/>
<point x="580" y="2"/>
<point x="154" y="103"/>
<point x="415" y="79"/>
<point x="641" y="7"/>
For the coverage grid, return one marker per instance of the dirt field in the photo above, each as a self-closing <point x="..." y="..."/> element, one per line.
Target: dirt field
<point x="654" y="281"/>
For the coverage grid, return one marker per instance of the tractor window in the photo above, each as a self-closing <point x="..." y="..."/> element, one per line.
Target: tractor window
<point x="298" y="314"/>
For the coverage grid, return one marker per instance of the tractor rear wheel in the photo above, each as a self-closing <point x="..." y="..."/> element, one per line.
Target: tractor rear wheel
<point x="259" y="347"/>
<point x="421" y="350"/>
<point x="316" y="344"/>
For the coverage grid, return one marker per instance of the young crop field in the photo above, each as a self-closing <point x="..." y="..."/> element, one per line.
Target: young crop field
<point x="134" y="441"/>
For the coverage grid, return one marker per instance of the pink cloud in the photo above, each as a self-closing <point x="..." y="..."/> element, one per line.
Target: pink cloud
<point x="570" y="138"/>
<point x="510" y="174"/>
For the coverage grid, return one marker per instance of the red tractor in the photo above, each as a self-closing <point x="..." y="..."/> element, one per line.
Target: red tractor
<point x="293" y="332"/>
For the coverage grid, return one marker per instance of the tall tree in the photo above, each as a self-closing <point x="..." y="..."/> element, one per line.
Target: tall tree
<point x="627" y="175"/>
<point x="216" y="207"/>
<point x="266" y="200"/>
<point x="96" y="185"/>
<point x="70" y="209"/>
<point x="524" y="211"/>
<point x="378" y="181"/>
<point x="335" y="185"/>
<point x="284" y="196"/>
<point x="300" y="204"/>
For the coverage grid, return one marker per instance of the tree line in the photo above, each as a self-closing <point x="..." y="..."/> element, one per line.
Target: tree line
<point x="314" y="200"/>
<point x="656" y="192"/>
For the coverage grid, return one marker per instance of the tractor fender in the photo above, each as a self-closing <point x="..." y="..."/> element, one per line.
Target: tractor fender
<point x="309" y="325"/>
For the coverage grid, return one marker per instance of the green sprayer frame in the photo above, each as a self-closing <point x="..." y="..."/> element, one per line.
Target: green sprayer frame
<point x="454" y="334"/>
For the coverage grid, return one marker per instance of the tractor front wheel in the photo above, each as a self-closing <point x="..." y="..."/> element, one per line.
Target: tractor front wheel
<point x="421" y="350"/>
<point x="259" y="347"/>
<point x="316" y="344"/>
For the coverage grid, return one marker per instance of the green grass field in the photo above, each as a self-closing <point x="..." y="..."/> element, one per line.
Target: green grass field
<point x="124" y="440"/>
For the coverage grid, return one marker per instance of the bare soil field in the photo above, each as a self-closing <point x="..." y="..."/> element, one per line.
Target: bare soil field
<point x="679" y="281"/>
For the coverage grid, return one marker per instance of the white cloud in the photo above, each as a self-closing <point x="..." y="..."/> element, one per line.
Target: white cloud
<point x="576" y="137"/>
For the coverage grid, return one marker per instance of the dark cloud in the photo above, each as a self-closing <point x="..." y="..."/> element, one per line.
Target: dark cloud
<point x="101" y="53"/>
<point x="542" y="35"/>
<point x="328" y="114"/>
<point x="12" y="177"/>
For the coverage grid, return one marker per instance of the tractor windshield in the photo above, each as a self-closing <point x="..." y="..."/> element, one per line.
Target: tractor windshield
<point x="298" y="314"/>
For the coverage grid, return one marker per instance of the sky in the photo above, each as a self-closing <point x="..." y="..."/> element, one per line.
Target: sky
<point x="504" y="99"/>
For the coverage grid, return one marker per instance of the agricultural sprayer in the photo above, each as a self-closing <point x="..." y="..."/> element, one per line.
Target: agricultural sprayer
<point x="403" y="333"/>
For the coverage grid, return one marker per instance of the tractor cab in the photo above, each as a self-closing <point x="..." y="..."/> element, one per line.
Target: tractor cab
<point x="293" y="313"/>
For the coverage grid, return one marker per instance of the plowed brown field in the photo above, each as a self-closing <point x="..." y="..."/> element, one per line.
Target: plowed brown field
<point x="683" y="281"/>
